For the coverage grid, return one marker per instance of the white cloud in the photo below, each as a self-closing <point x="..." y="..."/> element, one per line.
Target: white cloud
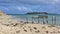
<point x="21" y="8"/>
<point x="4" y="8"/>
<point x="33" y="1"/>
<point x="55" y="1"/>
<point x="24" y="9"/>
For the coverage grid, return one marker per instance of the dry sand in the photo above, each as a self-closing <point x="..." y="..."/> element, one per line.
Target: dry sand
<point x="29" y="29"/>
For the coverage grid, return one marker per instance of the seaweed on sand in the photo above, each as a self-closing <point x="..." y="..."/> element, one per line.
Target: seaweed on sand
<point x="35" y="28"/>
<point x="46" y="31"/>
<point x="25" y="30"/>
<point x="44" y="27"/>
<point x="18" y="31"/>
<point x="37" y="31"/>
<point x="58" y="31"/>
<point x="51" y="26"/>
<point x="31" y="30"/>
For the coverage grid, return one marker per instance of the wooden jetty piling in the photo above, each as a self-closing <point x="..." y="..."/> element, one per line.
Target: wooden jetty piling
<point x="53" y="20"/>
<point x="38" y="17"/>
<point x="34" y="18"/>
<point x="26" y="20"/>
<point x="44" y="17"/>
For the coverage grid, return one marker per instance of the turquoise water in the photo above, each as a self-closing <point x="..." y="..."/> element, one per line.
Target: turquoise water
<point x="24" y="17"/>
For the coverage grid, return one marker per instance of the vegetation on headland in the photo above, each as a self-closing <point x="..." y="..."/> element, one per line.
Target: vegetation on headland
<point x="37" y="13"/>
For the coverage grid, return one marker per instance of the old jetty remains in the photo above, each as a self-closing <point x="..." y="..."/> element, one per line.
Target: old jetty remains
<point x="41" y="18"/>
<point x="44" y="18"/>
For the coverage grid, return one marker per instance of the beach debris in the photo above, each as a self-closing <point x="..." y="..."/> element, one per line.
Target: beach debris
<point x="58" y="31"/>
<point x="51" y="26"/>
<point x="25" y="30"/>
<point x="35" y="28"/>
<point x="5" y="24"/>
<point x="21" y="24"/>
<point x="47" y="31"/>
<point x="54" y="32"/>
<point x="29" y="27"/>
<point x="18" y="31"/>
<point x="43" y="27"/>
<point x="14" y="24"/>
<point x="37" y="31"/>
<point x="31" y="30"/>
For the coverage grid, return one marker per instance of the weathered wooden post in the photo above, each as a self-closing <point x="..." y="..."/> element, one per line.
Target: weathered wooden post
<point x="32" y="20"/>
<point x="46" y="19"/>
<point x="43" y="20"/>
<point x="38" y="19"/>
<point x="26" y="19"/>
<point x="53" y="20"/>
<point x="35" y="18"/>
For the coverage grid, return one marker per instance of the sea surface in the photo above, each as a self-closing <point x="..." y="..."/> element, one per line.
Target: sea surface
<point x="28" y="17"/>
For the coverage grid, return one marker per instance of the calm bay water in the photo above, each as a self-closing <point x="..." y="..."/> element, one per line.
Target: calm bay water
<point x="22" y="17"/>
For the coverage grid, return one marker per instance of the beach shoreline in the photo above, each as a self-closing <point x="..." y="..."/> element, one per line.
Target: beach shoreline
<point x="14" y="26"/>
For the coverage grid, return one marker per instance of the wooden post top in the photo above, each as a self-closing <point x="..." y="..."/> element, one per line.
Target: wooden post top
<point x="40" y="17"/>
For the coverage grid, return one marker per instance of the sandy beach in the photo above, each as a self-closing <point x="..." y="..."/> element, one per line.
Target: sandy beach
<point x="29" y="29"/>
<point x="8" y="26"/>
<point x="12" y="26"/>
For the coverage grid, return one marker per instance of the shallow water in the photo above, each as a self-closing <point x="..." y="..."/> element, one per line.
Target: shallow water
<point x="25" y="17"/>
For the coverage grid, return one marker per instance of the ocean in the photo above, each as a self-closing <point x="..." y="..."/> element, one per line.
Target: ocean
<point x="28" y="17"/>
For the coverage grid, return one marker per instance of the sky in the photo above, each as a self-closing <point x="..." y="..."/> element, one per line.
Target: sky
<point x="24" y="6"/>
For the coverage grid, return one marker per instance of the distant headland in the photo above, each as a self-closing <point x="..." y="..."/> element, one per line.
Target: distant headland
<point x="37" y="13"/>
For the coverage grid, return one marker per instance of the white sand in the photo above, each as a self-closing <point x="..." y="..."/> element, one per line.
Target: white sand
<point x="29" y="29"/>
